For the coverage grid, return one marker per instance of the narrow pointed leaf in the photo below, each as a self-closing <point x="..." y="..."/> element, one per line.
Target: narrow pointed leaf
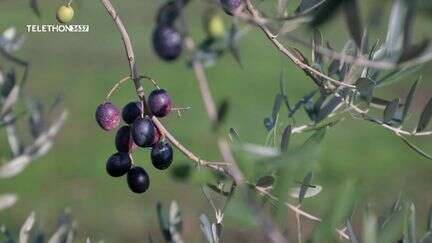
<point x="163" y="221"/>
<point x="411" y="227"/>
<point x="331" y="105"/>
<point x="265" y="181"/>
<point x="35" y="7"/>
<point x="277" y="105"/>
<point x="7" y="200"/>
<point x="365" y="87"/>
<point x="175" y="219"/>
<point x="316" y="44"/>
<point x="305" y="185"/>
<point x="285" y="138"/>
<point x="352" y="17"/>
<point x="25" y="233"/>
<point x="311" y="191"/>
<point x="425" y="116"/>
<point x="308" y="5"/>
<point x="234" y="136"/>
<point x="218" y="190"/>
<point x="317" y="137"/>
<point x="369" y="228"/>
<point x="395" y="28"/>
<point x="221" y="113"/>
<point x="325" y="11"/>
<point x="232" y="44"/>
<point x="390" y="111"/>
<point x="206" y="228"/>
<point x="409" y="99"/>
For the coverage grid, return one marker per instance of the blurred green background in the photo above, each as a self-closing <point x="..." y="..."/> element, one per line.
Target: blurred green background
<point x="84" y="66"/>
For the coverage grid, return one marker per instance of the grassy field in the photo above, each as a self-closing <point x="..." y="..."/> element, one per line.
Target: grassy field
<point x="84" y="66"/>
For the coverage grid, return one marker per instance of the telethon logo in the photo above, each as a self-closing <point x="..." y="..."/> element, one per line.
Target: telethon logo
<point x="57" y="28"/>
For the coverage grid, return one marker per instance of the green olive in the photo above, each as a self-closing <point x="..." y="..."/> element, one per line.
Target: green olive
<point x="214" y="25"/>
<point x="65" y="14"/>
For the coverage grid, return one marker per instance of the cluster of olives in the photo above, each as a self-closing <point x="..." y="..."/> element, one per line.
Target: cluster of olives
<point x="65" y="14"/>
<point x="139" y="131"/>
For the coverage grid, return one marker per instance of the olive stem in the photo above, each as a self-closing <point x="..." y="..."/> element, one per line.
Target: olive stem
<point x="116" y="85"/>
<point x="152" y="80"/>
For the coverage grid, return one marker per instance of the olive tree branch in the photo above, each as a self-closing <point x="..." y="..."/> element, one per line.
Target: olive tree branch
<point x="273" y="38"/>
<point x="362" y="60"/>
<point x="135" y="76"/>
<point x="223" y="145"/>
<point x="41" y="145"/>
<point x="296" y="209"/>
<point x="270" y="227"/>
<point x="359" y="60"/>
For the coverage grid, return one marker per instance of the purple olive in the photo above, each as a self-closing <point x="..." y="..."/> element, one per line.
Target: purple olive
<point x="159" y="102"/>
<point x="118" y="164"/>
<point x="131" y="111"/>
<point x="162" y="155"/>
<point x="107" y="116"/>
<point x="167" y="42"/>
<point x="123" y="140"/>
<point x="138" y="180"/>
<point x="232" y="7"/>
<point x="143" y="131"/>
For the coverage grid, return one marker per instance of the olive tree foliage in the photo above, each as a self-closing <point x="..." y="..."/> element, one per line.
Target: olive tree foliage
<point x="345" y="84"/>
<point x="267" y="176"/>
<point x="17" y="106"/>
<point x="271" y="179"/>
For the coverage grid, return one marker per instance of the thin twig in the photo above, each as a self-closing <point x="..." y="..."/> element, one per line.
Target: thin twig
<point x="116" y="85"/>
<point x="394" y="129"/>
<point x="211" y="110"/>
<point x="152" y="80"/>
<point x="296" y="209"/>
<point x="12" y="136"/>
<point x="361" y="60"/>
<point x="273" y="38"/>
<point x="299" y="228"/>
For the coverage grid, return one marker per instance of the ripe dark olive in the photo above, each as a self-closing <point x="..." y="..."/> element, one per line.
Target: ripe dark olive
<point x="162" y="155"/>
<point x="123" y="140"/>
<point x="232" y="7"/>
<point x="138" y="180"/>
<point x="168" y="13"/>
<point x="118" y="164"/>
<point x="131" y="111"/>
<point x="143" y="131"/>
<point x="167" y="42"/>
<point x="107" y="116"/>
<point x="159" y="102"/>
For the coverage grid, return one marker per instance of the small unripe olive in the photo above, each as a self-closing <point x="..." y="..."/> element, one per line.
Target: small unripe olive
<point x="214" y="25"/>
<point x="65" y="14"/>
